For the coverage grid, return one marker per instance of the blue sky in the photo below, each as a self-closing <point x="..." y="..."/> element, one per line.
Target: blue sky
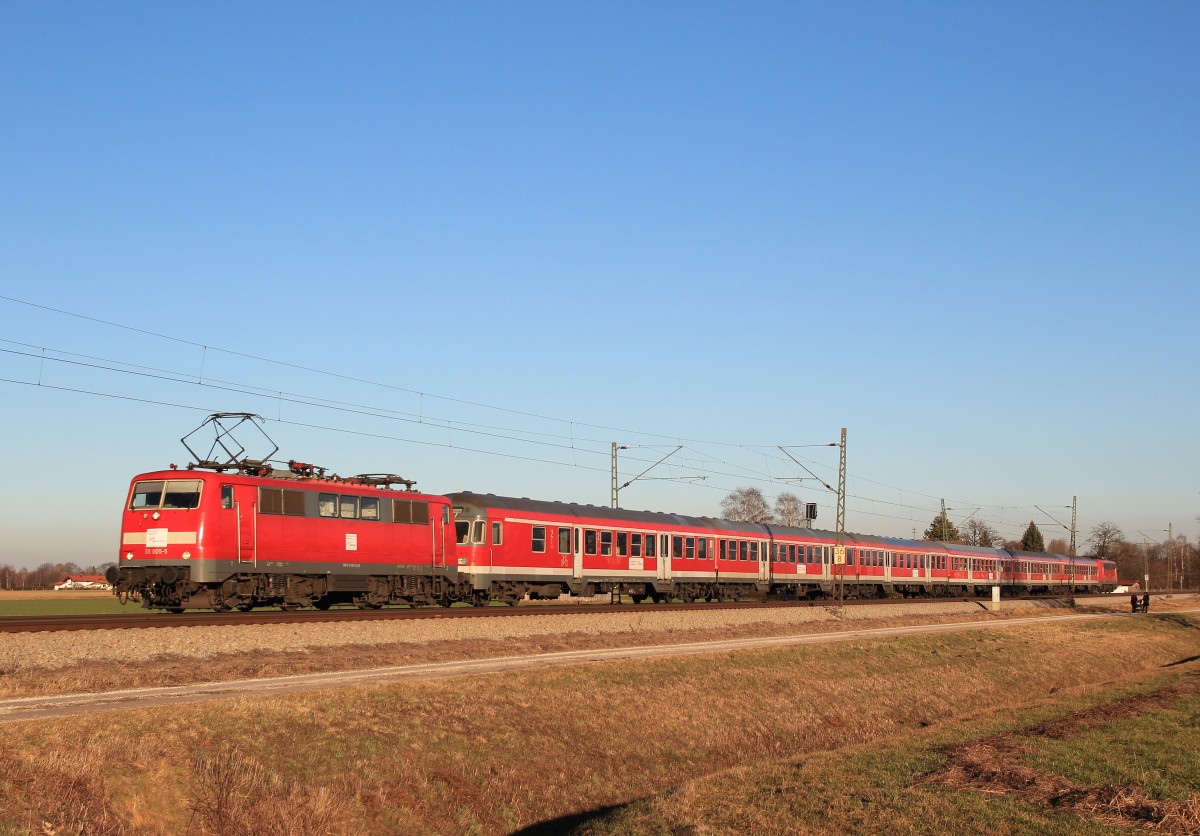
<point x="966" y="232"/>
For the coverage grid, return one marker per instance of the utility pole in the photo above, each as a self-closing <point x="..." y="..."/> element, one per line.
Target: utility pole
<point x="1170" y="553"/>
<point x="839" y="543"/>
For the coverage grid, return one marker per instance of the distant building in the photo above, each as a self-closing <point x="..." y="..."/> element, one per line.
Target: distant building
<point x="83" y="582"/>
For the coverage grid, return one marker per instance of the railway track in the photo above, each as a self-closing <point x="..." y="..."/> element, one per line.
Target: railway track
<point x="145" y="620"/>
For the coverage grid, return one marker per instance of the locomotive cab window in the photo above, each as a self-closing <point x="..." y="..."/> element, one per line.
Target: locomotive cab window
<point x="173" y="494"/>
<point x="227" y="496"/>
<point x="477" y="533"/>
<point x="462" y="532"/>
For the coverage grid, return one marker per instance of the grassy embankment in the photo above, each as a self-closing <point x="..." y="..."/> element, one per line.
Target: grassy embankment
<point x="930" y="734"/>
<point x="65" y="602"/>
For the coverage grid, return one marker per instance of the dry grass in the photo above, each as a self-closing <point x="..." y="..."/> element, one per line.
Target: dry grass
<point x="166" y="670"/>
<point x="496" y="753"/>
<point x="64" y="791"/>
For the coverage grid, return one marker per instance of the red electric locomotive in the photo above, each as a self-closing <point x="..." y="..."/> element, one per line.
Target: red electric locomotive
<point x="257" y="536"/>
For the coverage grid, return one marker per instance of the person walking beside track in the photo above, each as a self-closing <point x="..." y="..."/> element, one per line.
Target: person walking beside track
<point x="1133" y="602"/>
<point x="1146" y="601"/>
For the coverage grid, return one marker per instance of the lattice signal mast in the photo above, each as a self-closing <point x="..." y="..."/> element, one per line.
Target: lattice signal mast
<point x="839" y="545"/>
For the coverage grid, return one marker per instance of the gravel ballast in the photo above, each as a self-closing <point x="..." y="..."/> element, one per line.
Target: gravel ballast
<point x="28" y="651"/>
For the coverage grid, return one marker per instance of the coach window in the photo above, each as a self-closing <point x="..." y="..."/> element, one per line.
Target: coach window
<point x="327" y="505"/>
<point x="635" y="546"/>
<point x="677" y="547"/>
<point x="539" y="538"/>
<point x="498" y="533"/>
<point x="702" y="548"/>
<point x="650" y="552"/>
<point x="564" y="541"/>
<point x="369" y="510"/>
<point x="606" y="539"/>
<point x="721" y="549"/>
<point x="589" y="541"/>
<point x="754" y="551"/>
<point x="477" y="533"/>
<point x="689" y="548"/>
<point x="622" y="544"/>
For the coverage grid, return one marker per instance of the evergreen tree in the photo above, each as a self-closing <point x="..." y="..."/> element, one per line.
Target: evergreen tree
<point x="1032" y="540"/>
<point x="942" y="530"/>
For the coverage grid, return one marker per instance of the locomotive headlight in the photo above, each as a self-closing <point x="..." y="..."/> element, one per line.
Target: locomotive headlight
<point x="154" y="516"/>
<point x="187" y="555"/>
<point x="129" y="555"/>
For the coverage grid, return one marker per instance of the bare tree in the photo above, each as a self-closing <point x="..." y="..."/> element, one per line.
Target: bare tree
<point x="1058" y="545"/>
<point x="747" y="505"/>
<point x="1104" y="538"/>
<point x="979" y="533"/>
<point x="788" y="509"/>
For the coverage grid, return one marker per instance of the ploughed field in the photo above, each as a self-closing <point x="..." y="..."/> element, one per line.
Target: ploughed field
<point x="917" y="733"/>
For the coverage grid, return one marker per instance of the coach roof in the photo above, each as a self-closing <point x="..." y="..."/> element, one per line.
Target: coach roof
<point x="472" y="501"/>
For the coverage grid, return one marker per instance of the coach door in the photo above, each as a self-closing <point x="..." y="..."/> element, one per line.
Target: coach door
<point x="245" y="507"/>
<point x="577" y="555"/>
<point x="764" y="560"/>
<point x="664" y="557"/>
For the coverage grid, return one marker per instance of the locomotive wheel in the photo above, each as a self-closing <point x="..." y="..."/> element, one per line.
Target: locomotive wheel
<point x="637" y="599"/>
<point x="323" y="604"/>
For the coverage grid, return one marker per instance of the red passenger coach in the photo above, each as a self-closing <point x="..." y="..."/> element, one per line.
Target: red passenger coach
<point x="195" y="539"/>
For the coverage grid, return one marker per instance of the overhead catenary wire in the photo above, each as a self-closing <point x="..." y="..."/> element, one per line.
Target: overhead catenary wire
<point x="452" y="426"/>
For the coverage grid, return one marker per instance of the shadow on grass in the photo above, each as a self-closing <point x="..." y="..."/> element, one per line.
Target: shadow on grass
<point x="1181" y="661"/>
<point x="568" y="824"/>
